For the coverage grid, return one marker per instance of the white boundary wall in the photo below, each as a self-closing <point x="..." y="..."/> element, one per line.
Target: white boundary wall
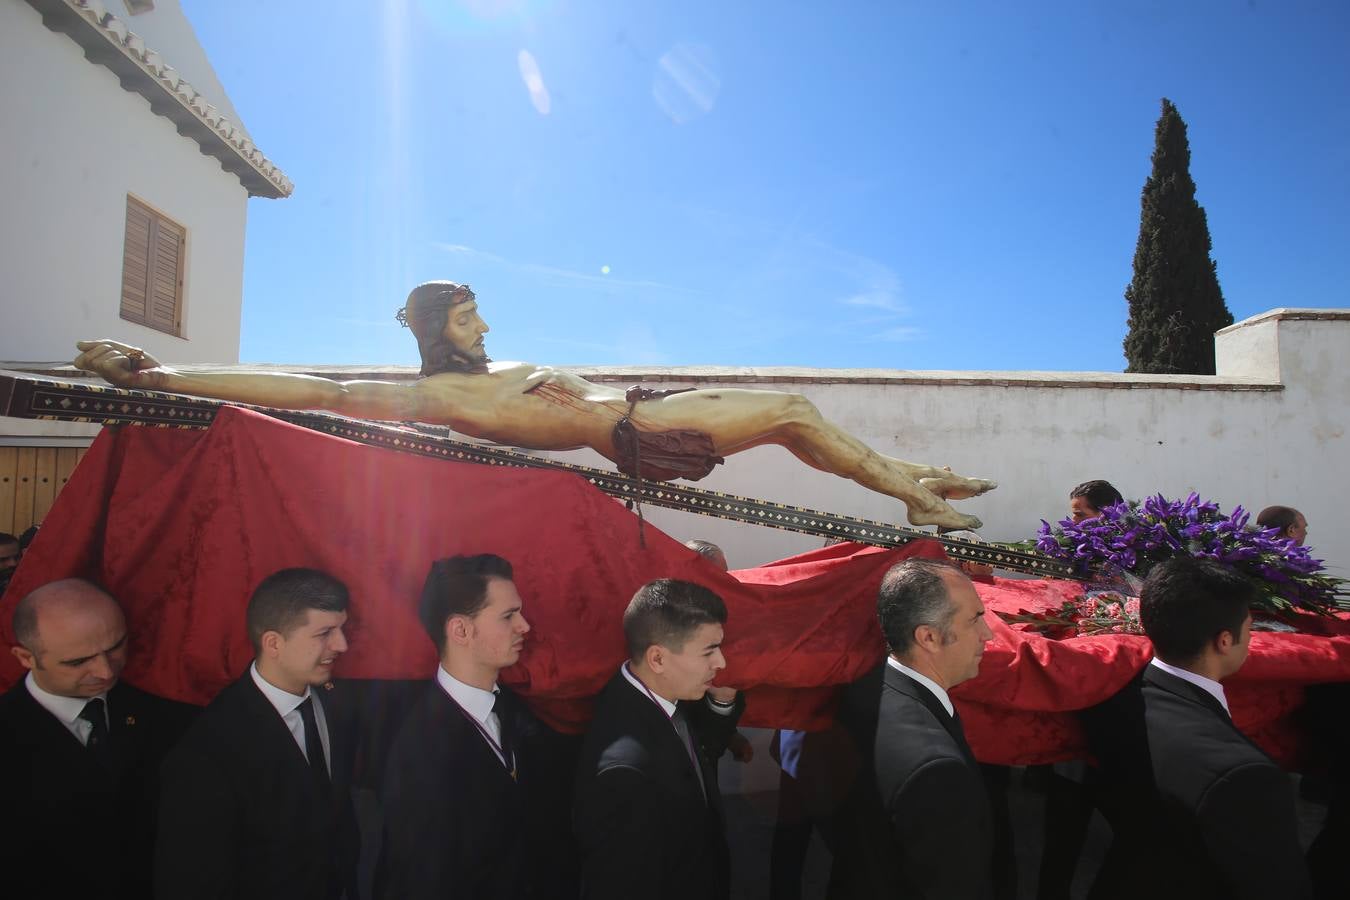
<point x="1269" y="428"/>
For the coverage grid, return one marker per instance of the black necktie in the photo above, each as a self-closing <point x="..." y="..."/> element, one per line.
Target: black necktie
<point x="314" y="744"/>
<point x="961" y="736"/>
<point x="501" y="706"/>
<point x="681" y="724"/>
<point x="94" y="714"/>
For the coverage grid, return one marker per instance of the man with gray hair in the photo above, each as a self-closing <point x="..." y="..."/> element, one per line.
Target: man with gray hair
<point x="917" y="822"/>
<point x="79" y="751"/>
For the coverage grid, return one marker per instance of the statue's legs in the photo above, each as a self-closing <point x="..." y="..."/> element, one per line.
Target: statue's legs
<point x="740" y="419"/>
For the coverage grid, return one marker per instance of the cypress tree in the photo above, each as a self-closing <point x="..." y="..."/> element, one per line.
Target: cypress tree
<point x="1175" y="301"/>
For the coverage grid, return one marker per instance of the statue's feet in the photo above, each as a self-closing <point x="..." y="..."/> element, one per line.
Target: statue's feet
<point x="944" y="517"/>
<point x="951" y="486"/>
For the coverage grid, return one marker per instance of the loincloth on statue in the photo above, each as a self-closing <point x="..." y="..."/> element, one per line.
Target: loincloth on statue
<point x="661" y="455"/>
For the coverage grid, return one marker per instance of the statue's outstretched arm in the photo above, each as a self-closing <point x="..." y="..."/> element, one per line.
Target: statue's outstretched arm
<point x="129" y="367"/>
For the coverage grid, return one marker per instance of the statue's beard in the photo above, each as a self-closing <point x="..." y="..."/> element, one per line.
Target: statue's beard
<point x="475" y="361"/>
<point x="442" y="356"/>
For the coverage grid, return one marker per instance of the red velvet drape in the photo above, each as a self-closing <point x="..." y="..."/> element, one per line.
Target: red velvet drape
<point x="181" y="525"/>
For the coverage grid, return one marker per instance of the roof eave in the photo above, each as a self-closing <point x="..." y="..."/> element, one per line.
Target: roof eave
<point x="107" y="41"/>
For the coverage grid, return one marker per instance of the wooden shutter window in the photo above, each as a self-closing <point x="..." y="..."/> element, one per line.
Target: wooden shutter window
<point x="152" y="269"/>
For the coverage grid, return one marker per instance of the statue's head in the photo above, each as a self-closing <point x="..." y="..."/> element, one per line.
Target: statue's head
<point x="444" y="318"/>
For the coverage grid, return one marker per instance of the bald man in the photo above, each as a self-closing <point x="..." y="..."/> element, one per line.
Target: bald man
<point x="79" y="751"/>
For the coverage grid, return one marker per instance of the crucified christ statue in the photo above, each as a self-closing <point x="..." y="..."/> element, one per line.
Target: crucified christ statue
<point x="658" y="435"/>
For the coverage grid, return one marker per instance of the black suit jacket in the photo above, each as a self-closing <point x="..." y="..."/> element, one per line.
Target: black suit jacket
<point x="242" y="815"/>
<point x="1197" y="809"/>
<point x="641" y="819"/>
<point x="916" y="823"/>
<point x="65" y="807"/>
<point x="458" y="826"/>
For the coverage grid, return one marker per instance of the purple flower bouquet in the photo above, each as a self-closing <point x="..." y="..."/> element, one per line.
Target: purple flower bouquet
<point x="1130" y="538"/>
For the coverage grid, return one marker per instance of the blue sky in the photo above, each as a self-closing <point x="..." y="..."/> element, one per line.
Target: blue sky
<point x="932" y="185"/>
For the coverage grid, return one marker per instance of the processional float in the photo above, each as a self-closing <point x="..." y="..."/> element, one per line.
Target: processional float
<point x="796" y="640"/>
<point x="28" y="396"/>
<point x="182" y="556"/>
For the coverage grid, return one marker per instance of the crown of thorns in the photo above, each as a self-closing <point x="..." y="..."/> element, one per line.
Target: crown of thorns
<point x="429" y="307"/>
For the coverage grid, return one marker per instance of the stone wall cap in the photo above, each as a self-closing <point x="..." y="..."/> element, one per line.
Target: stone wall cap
<point x="747" y="375"/>
<point x="1292" y="314"/>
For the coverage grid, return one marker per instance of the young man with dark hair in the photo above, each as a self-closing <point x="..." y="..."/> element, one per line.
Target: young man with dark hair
<point x="648" y="809"/>
<point x="1070" y="785"/>
<point x="1087" y="500"/>
<point x="475" y="789"/>
<point x="738" y="745"/>
<point x="256" y="798"/>
<point x="1290" y="521"/>
<point x="80" y="751"/>
<point x="917" y="822"/>
<point x="1198" y="810"/>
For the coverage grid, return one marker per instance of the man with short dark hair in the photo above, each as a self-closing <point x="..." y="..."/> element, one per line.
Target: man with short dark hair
<point x="709" y="551"/>
<point x="917" y="823"/>
<point x="475" y="787"/>
<point x="1291" y="523"/>
<point x="256" y="801"/>
<point x="1087" y="500"/>
<point x="1070" y="785"/>
<point x="738" y="745"/>
<point x="648" y="809"/>
<point x="1198" y="810"/>
<point x="79" y="751"/>
<point x="10" y="552"/>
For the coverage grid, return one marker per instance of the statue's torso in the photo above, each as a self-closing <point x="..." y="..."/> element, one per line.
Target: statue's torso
<point x="526" y="405"/>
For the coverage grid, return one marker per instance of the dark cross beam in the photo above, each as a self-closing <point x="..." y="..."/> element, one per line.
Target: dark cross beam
<point x="30" y="397"/>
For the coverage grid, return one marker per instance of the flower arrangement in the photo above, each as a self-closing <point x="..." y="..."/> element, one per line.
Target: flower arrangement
<point x="1106" y="612"/>
<point x="1130" y="538"/>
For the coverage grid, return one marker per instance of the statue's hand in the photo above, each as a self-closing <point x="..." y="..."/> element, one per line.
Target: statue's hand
<point x="117" y="363"/>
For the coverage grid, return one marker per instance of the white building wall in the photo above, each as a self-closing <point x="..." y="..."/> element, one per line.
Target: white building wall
<point x="75" y="144"/>
<point x="1270" y="428"/>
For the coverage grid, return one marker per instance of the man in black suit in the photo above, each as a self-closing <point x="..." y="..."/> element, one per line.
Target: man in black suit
<point x="79" y="751"/>
<point x="256" y="798"/>
<point x="648" y="809"/>
<point x="475" y="787"/>
<point x="917" y="822"/>
<point x="1196" y="808"/>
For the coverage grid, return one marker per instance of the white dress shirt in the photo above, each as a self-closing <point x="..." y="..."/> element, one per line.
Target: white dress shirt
<point x="666" y="706"/>
<point x="66" y="709"/>
<point x="934" y="688"/>
<point x="1208" y="685"/>
<point x="478" y="704"/>
<point x="288" y="707"/>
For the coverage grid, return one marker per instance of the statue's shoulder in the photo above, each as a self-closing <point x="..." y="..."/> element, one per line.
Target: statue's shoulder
<point x="508" y="367"/>
<point x="500" y="376"/>
<point x="496" y="371"/>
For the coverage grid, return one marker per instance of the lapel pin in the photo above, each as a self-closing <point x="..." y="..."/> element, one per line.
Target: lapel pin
<point x="131" y="720"/>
